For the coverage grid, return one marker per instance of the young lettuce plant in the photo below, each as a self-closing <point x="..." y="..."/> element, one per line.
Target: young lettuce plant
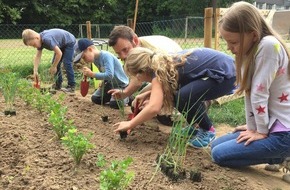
<point x="77" y="143"/>
<point x="115" y="176"/>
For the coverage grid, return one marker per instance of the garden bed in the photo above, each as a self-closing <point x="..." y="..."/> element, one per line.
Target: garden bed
<point x="33" y="158"/>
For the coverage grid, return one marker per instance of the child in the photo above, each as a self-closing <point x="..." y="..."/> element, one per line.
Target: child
<point x="62" y="43"/>
<point x="186" y="80"/>
<point x="262" y="63"/>
<point x="111" y="71"/>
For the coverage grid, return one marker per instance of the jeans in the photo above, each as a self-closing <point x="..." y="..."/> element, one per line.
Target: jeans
<point x="227" y="152"/>
<point x="100" y="97"/>
<point x="67" y="58"/>
<point x="190" y="98"/>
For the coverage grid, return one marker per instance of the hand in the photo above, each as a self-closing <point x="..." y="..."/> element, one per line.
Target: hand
<point x="122" y="126"/>
<point x="142" y="98"/>
<point x="53" y="70"/>
<point x="35" y="77"/>
<point x="88" y="72"/>
<point x="250" y="136"/>
<point x="116" y="93"/>
<point x="240" y="128"/>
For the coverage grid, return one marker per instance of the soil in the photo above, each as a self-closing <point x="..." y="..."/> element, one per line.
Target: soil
<point x="32" y="158"/>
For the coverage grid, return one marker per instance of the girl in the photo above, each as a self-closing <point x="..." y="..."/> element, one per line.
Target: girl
<point x="186" y="80"/>
<point x="262" y="63"/>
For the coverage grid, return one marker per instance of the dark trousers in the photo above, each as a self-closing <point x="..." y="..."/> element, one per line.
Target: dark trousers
<point x="190" y="99"/>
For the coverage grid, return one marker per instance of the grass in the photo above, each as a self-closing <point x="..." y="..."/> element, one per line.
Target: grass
<point x="17" y="57"/>
<point x="231" y="113"/>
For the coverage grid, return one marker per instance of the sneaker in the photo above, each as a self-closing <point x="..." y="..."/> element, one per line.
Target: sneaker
<point x="69" y="89"/>
<point x="189" y="131"/>
<point x="273" y="167"/>
<point x="202" y="139"/>
<point x="286" y="178"/>
<point x="165" y="120"/>
<point x="56" y="86"/>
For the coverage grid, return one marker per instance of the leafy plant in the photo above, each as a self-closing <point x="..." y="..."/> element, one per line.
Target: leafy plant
<point x="78" y="144"/>
<point x="59" y="122"/>
<point x="115" y="176"/>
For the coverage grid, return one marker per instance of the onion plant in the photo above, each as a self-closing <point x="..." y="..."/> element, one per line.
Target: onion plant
<point x="9" y="84"/>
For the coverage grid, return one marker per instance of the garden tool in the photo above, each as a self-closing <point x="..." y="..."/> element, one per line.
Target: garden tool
<point x="36" y="83"/>
<point x="136" y="111"/>
<point x="84" y="87"/>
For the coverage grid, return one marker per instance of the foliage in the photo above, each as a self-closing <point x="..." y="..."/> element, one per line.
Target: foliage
<point x="9" y="83"/>
<point x="103" y="11"/>
<point x="115" y="176"/>
<point x="60" y="124"/>
<point x="78" y="144"/>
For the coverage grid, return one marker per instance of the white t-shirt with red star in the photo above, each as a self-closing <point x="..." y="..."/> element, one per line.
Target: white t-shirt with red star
<point x="269" y="100"/>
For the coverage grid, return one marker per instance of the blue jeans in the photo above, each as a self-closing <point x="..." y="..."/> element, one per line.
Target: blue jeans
<point x="67" y="58"/>
<point x="190" y="98"/>
<point x="227" y="152"/>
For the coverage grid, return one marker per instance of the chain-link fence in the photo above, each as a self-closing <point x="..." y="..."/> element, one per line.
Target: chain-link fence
<point x="187" y="32"/>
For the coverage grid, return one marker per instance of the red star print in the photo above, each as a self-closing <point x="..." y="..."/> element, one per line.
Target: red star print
<point x="261" y="109"/>
<point x="280" y="71"/>
<point x="284" y="97"/>
<point x="260" y="87"/>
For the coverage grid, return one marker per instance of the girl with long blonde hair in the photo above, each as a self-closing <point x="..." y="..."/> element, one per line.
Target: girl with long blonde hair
<point x="183" y="81"/>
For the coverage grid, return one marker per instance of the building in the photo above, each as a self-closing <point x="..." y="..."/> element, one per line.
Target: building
<point x="273" y="4"/>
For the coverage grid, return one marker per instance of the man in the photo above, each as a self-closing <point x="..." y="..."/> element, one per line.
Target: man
<point x="123" y="39"/>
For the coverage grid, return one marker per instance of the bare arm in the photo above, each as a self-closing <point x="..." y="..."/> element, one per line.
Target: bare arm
<point x="133" y="86"/>
<point x="150" y="110"/>
<point x="36" y="62"/>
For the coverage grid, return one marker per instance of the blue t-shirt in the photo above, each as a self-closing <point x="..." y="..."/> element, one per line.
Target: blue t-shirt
<point x="206" y="62"/>
<point x="111" y="70"/>
<point x="56" y="37"/>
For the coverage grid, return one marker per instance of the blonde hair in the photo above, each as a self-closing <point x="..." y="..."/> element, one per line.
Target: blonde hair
<point x="243" y="17"/>
<point x="28" y="34"/>
<point x="163" y="66"/>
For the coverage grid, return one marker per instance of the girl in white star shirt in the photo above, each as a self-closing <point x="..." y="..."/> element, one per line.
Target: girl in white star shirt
<point x="263" y="72"/>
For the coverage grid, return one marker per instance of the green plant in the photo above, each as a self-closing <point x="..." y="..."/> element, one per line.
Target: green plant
<point x="115" y="176"/>
<point x="58" y="120"/>
<point x="9" y="84"/>
<point x="78" y="144"/>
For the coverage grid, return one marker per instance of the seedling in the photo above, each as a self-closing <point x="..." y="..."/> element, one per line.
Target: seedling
<point x="115" y="176"/>
<point x="9" y="84"/>
<point x="59" y="122"/>
<point x="78" y="144"/>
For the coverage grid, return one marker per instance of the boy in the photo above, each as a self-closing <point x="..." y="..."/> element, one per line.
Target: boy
<point x="62" y="43"/>
<point x="111" y="71"/>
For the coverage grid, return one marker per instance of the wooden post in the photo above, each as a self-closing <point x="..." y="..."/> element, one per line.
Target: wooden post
<point x="89" y="30"/>
<point x="208" y="13"/>
<point x="216" y="31"/>
<point x="135" y="15"/>
<point x="130" y="22"/>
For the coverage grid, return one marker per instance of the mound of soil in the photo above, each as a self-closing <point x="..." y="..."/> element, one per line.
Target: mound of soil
<point x="32" y="158"/>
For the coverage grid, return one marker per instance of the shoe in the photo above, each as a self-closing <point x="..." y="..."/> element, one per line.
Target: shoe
<point x="202" y="139"/>
<point x="273" y="167"/>
<point x="189" y="132"/>
<point x="56" y="86"/>
<point x="165" y="120"/>
<point x="69" y="89"/>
